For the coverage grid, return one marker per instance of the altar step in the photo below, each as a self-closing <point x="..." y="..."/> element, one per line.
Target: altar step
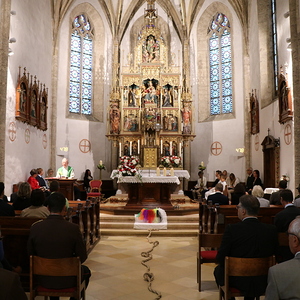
<point x="121" y="225"/>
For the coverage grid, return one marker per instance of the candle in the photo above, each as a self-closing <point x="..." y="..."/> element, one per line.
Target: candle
<point x="172" y="171"/>
<point x="130" y="147"/>
<point x="120" y="149"/>
<point x="100" y="162"/>
<point x="157" y="171"/>
<point x="138" y="146"/>
<point x="179" y="150"/>
<point x="165" y="172"/>
<point x="161" y="146"/>
<point x="171" y="150"/>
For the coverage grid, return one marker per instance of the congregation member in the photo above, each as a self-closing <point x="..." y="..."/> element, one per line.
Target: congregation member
<point x="257" y="180"/>
<point x="283" y="278"/>
<point x="249" y="239"/>
<point x="218" y="177"/>
<point x="283" y="219"/>
<point x="201" y="187"/>
<point x="238" y="191"/>
<point x="21" y="199"/>
<point x="65" y="170"/>
<point x="86" y="180"/>
<point x="50" y="173"/>
<point x="42" y="182"/>
<point x="249" y="180"/>
<point x="10" y="286"/>
<point x="298" y="196"/>
<point x="218" y="196"/>
<point x="32" y="180"/>
<point x="54" y="237"/>
<point x="258" y="192"/>
<point x="275" y="197"/>
<point x="37" y="208"/>
<point x="288" y="214"/>
<point x="5" y="208"/>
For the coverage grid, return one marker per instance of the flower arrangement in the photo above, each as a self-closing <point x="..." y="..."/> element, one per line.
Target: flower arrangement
<point x="201" y="167"/>
<point x="101" y="166"/>
<point x="128" y="166"/>
<point x="168" y="161"/>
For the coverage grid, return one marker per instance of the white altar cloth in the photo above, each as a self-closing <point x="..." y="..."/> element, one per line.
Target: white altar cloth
<point x="146" y="179"/>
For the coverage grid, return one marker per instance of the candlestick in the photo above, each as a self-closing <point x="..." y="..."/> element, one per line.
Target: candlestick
<point x="171" y="152"/>
<point x="179" y="150"/>
<point x="161" y="146"/>
<point x="138" y="146"/>
<point x="130" y="147"/>
<point x="120" y="149"/>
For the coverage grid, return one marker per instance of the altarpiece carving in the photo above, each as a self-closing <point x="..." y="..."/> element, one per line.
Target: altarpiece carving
<point x="155" y="109"/>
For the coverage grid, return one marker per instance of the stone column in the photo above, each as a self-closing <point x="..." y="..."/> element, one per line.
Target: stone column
<point x="4" y="37"/>
<point x="295" y="41"/>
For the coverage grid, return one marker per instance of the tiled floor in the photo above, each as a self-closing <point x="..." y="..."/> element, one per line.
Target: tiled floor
<point x="117" y="272"/>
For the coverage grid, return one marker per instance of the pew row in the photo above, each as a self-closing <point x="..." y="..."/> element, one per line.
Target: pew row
<point x="15" y="233"/>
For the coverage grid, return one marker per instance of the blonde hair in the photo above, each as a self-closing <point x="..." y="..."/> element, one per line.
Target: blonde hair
<point x="257" y="191"/>
<point x="24" y="190"/>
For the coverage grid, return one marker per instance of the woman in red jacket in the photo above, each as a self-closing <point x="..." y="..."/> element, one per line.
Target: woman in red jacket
<point x="32" y="180"/>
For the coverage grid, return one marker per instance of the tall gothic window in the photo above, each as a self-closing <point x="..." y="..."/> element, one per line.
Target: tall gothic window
<point x="220" y="65"/>
<point x="274" y="34"/>
<point x="81" y="63"/>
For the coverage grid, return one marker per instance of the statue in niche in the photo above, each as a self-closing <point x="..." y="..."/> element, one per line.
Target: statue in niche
<point x="131" y="123"/>
<point x="186" y="119"/>
<point x="166" y="149"/>
<point x="23" y="97"/>
<point x="150" y="50"/>
<point x="254" y="113"/>
<point x="126" y="149"/>
<point x="134" y="148"/>
<point x="170" y="123"/>
<point x="167" y="102"/>
<point x="150" y="94"/>
<point x="33" y="104"/>
<point x="114" y="115"/>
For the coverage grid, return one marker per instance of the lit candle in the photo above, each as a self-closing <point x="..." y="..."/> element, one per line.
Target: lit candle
<point x="157" y="171"/>
<point x="165" y="172"/>
<point x="138" y="146"/>
<point x="172" y="171"/>
<point x="161" y="147"/>
<point x="179" y="150"/>
<point x="171" y="150"/>
<point x="120" y="149"/>
<point x="130" y="147"/>
<point x="100" y="162"/>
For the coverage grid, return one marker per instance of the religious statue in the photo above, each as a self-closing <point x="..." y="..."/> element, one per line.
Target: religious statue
<point x="186" y="119"/>
<point x="150" y="94"/>
<point x="150" y="49"/>
<point x="114" y="115"/>
<point x="23" y="98"/>
<point x="167" y="98"/>
<point x="131" y="98"/>
<point x="33" y="105"/>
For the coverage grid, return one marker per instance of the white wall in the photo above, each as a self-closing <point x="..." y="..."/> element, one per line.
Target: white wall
<point x="32" y="28"/>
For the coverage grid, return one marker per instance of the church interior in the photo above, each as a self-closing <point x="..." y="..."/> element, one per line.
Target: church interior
<point x="208" y="84"/>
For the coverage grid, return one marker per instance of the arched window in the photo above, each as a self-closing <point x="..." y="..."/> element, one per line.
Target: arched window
<point x="81" y="62"/>
<point x="220" y="65"/>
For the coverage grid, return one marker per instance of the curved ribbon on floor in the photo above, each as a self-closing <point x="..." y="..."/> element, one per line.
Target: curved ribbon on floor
<point x="148" y="276"/>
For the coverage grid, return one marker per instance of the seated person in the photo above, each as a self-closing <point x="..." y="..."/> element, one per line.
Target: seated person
<point x="258" y="192"/>
<point x="32" y="180"/>
<point x="42" y="182"/>
<point x="5" y="208"/>
<point x="200" y="188"/>
<point x="238" y="191"/>
<point x="54" y="187"/>
<point x="218" y="197"/>
<point x="66" y="242"/>
<point x="50" y="173"/>
<point x="86" y="180"/>
<point x="275" y="197"/>
<point x="21" y="199"/>
<point x="37" y="208"/>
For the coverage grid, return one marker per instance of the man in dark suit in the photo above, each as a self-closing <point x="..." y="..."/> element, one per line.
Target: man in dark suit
<point x="5" y="208"/>
<point x="288" y="214"/>
<point x="250" y="179"/>
<point x="10" y="286"/>
<point x="218" y="197"/>
<point x="250" y="239"/>
<point x="275" y="197"/>
<point x="283" y="219"/>
<point x="54" y="237"/>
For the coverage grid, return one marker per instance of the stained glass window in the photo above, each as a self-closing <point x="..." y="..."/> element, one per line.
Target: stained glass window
<point x="274" y="33"/>
<point x="220" y="65"/>
<point x="81" y="63"/>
